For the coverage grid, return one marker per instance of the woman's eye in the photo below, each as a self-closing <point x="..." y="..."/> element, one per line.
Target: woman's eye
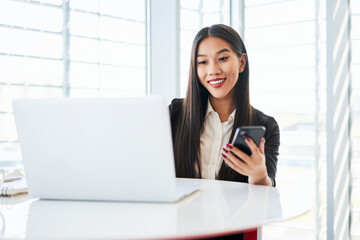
<point x="201" y="62"/>
<point x="223" y="58"/>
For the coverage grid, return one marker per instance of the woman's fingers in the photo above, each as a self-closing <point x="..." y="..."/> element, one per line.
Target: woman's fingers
<point x="233" y="165"/>
<point x="262" y="146"/>
<point x="237" y="152"/>
<point x="251" y="144"/>
<point x="235" y="160"/>
<point x="238" y="160"/>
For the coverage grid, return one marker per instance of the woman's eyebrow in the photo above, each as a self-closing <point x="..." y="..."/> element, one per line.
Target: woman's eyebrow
<point x="218" y="52"/>
<point x="223" y="50"/>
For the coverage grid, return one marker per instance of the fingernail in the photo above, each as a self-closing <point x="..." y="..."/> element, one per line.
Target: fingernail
<point x="224" y="156"/>
<point x="225" y="150"/>
<point x="263" y="139"/>
<point x="229" y="146"/>
<point x="246" y="138"/>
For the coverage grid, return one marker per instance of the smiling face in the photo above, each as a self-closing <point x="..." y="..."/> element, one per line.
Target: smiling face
<point x="218" y="67"/>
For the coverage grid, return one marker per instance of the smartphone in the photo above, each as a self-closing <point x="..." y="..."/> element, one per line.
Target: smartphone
<point x="253" y="132"/>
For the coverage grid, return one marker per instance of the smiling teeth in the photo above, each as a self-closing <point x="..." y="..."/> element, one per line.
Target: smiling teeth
<point x="217" y="82"/>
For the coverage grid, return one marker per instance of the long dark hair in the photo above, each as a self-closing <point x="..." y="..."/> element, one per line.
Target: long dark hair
<point x="187" y="141"/>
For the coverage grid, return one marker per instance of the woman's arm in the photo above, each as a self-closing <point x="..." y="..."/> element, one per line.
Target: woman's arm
<point x="272" y="145"/>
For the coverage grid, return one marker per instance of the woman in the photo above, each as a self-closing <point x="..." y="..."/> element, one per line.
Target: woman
<point x="217" y="102"/>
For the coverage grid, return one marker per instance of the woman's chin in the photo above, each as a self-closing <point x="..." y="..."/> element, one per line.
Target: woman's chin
<point x="221" y="94"/>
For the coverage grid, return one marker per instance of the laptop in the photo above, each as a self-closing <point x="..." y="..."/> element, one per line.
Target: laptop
<point x="107" y="149"/>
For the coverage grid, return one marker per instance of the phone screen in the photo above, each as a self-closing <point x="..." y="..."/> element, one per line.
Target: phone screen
<point x="254" y="132"/>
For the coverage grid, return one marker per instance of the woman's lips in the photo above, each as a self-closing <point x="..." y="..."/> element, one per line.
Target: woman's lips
<point x="216" y="83"/>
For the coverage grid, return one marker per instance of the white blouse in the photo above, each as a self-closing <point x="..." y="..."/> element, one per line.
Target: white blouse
<point x="214" y="137"/>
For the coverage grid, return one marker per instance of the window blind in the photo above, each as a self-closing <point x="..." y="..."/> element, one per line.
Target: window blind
<point x="30" y="60"/>
<point x="107" y="48"/>
<point x="285" y="43"/>
<point x="355" y="114"/>
<point x="52" y="48"/>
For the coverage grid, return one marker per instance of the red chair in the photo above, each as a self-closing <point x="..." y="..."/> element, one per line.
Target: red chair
<point x="250" y="235"/>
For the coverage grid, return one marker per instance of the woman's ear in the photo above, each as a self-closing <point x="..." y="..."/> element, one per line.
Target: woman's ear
<point x="242" y="62"/>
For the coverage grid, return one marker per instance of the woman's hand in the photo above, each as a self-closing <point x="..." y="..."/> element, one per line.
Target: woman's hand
<point x="252" y="166"/>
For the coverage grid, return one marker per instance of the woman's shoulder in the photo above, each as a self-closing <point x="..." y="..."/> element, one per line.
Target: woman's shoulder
<point x="265" y="120"/>
<point x="272" y="133"/>
<point x="175" y="109"/>
<point x="176" y="105"/>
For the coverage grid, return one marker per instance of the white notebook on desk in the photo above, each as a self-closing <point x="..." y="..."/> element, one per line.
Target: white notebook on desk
<point x="114" y="149"/>
<point x="13" y="188"/>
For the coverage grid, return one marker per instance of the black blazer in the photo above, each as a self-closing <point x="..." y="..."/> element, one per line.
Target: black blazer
<point x="272" y="142"/>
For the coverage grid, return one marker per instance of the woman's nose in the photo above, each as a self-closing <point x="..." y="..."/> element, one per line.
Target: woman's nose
<point x="214" y="69"/>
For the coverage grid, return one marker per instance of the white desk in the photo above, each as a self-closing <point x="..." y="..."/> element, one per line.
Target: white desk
<point x="218" y="208"/>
